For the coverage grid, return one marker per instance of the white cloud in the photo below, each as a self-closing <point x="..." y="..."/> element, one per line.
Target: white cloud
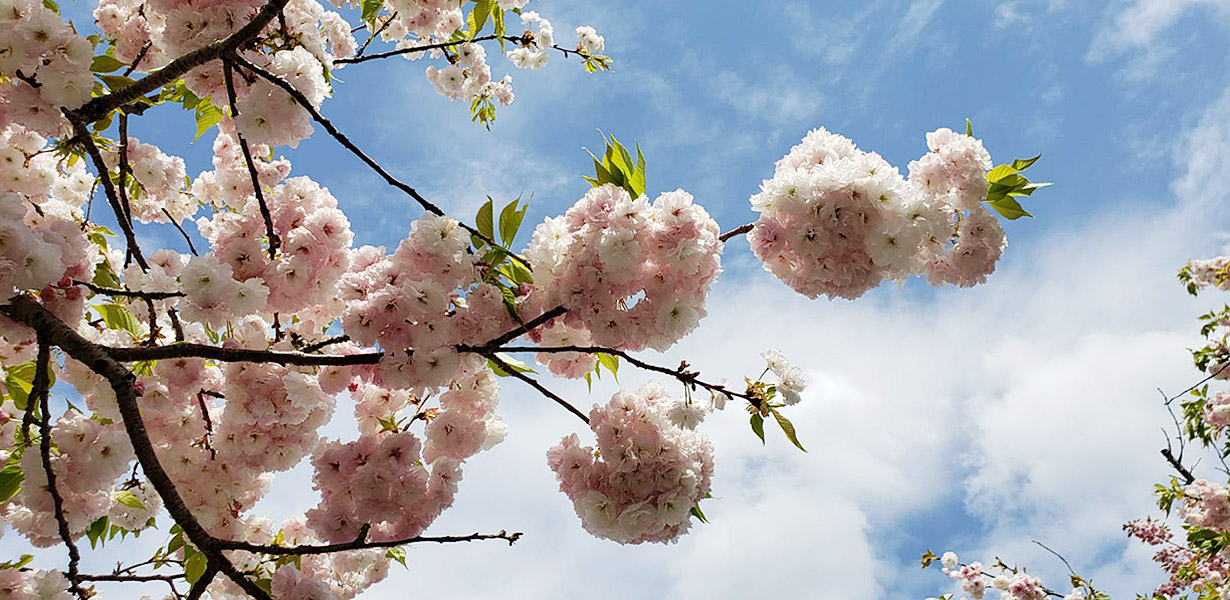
<point x="1137" y="27"/>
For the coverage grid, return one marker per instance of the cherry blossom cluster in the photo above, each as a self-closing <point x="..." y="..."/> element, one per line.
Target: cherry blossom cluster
<point x="46" y="65"/>
<point x="469" y="77"/>
<point x="419" y="302"/>
<point x="157" y="32"/>
<point x="1187" y="568"/>
<point x="314" y="252"/>
<point x="34" y="584"/>
<point x="162" y="196"/>
<point x="1012" y="584"/>
<point x="631" y="273"/>
<point x="837" y="221"/>
<point x="91" y="456"/>
<point x="1206" y="504"/>
<point x="644" y="478"/>
<point x="1209" y="272"/>
<point x="41" y="242"/>
<point x="382" y="479"/>
<point x="791" y="381"/>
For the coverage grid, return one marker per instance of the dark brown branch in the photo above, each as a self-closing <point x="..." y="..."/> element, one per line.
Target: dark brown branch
<point x="175" y="325"/>
<point x="113" y="198"/>
<point x="130" y="578"/>
<point x="42" y="384"/>
<point x="209" y="426"/>
<point x="274" y="240"/>
<point x="124" y="171"/>
<point x="360" y="543"/>
<point x="740" y="230"/>
<point x="38" y="386"/>
<point x="495" y="358"/>
<point x="30" y="313"/>
<point x="424" y="48"/>
<point x="690" y="378"/>
<point x="199" y="587"/>
<point x="375" y="166"/>
<point x="242" y="355"/>
<point x="340" y="339"/>
<point x="374" y="35"/>
<point x="98" y="289"/>
<point x="99" y="107"/>
<point x="191" y="248"/>
<point x="137" y="61"/>
<point x="527" y="327"/>
<point x="1178" y="466"/>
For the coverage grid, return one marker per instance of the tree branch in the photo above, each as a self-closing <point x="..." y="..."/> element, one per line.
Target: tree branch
<point x="681" y="373"/>
<point x="242" y="355"/>
<point x="274" y="240"/>
<point x="740" y="230"/>
<point x="1178" y="466"/>
<point x="30" y="313"/>
<point x="493" y="357"/>
<point x="346" y="143"/>
<point x="360" y="544"/>
<point x="130" y="238"/>
<point x="99" y="107"/>
<point x="42" y="384"/>
<point x="98" y="289"/>
<point x="423" y="48"/>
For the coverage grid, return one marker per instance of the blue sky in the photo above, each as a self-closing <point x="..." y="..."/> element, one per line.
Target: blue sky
<point x="973" y="420"/>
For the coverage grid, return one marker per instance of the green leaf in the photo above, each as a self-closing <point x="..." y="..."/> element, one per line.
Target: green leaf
<point x="129" y="499"/>
<point x="97" y="533"/>
<point x="698" y="513"/>
<point x="510" y="221"/>
<point x="1009" y="208"/>
<point x="117" y="316"/>
<point x="611" y="362"/>
<point x="116" y="82"/>
<point x="969" y="127"/>
<point x="515" y="364"/>
<point x="176" y="543"/>
<point x="477" y="18"/>
<point x="52" y="6"/>
<point x="398" y="554"/>
<point x="1000" y="172"/>
<point x="497" y="15"/>
<point x="207" y="115"/>
<point x="485" y="220"/>
<point x="105" y="63"/>
<point x="371" y="8"/>
<point x="104" y="276"/>
<point x="758" y="426"/>
<point x="19" y="382"/>
<point x="17" y="564"/>
<point x="195" y="567"/>
<point x="929" y="557"/>
<point x="1021" y="164"/>
<point x="787" y="427"/>
<point x="10" y="481"/>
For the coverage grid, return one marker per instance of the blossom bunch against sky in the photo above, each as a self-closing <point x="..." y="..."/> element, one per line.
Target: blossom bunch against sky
<point x="974" y="420"/>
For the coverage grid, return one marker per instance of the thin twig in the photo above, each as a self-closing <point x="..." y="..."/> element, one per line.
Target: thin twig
<point x="274" y="240"/>
<point x="1178" y="466"/>
<point x="98" y="289"/>
<point x="109" y="191"/>
<point x="187" y="238"/>
<point x="42" y="384"/>
<point x="507" y="368"/>
<point x="740" y="230"/>
<point x="360" y="543"/>
<point x="242" y="355"/>
<point x="349" y="145"/>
